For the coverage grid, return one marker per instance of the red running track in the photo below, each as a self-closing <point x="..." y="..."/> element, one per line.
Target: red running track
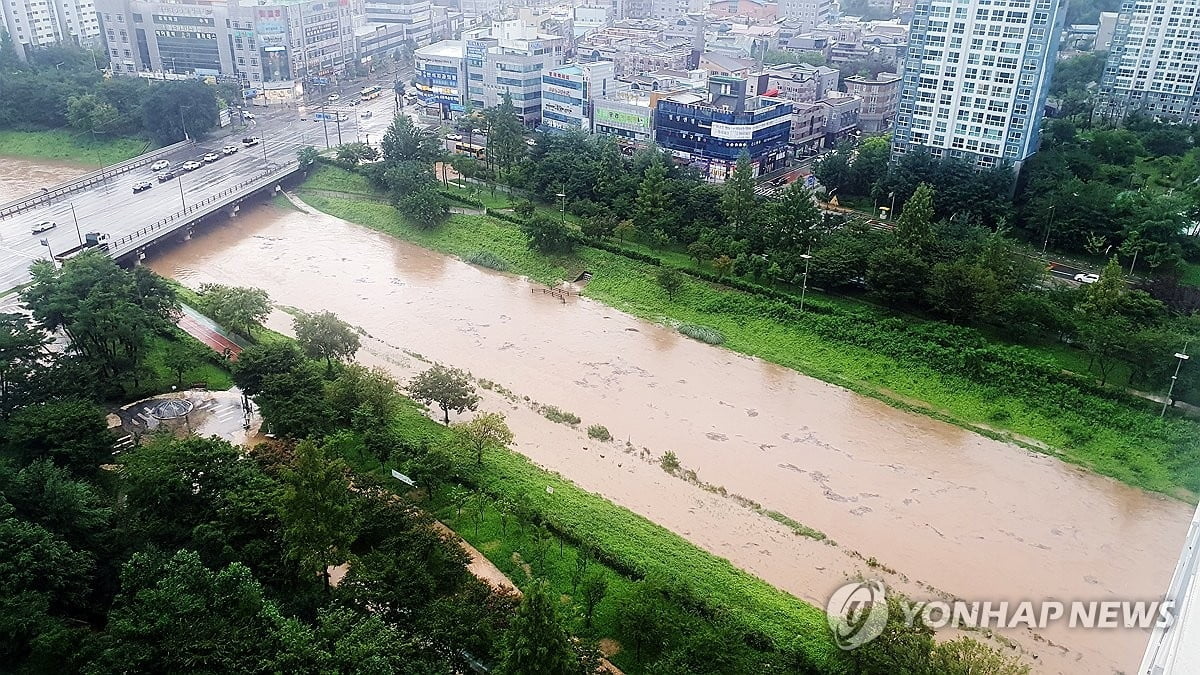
<point x="217" y="342"/>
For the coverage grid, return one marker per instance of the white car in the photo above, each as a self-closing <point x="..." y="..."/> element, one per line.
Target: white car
<point x="334" y="97"/>
<point x="1085" y="278"/>
<point x="454" y="137"/>
<point x="44" y="226"/>
<point x="246" y="115"/>
<point x="142" y="186"/>
<point x="160" y="165"/>
<point x="211" y="157"/>
<point x="229" y="149"/>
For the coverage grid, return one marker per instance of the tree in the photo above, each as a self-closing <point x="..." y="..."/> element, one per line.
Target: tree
<point x="307" y="156"/>
<point x="625" y="230"/>
<point x="366" y="399"/>
<point x="671" y="280"/>
<point x="792" y="222"/>
<point x="536" y="643"/>
<point x="916" y="220"/>
<point x="182" y="354"/>
<point x="505" y="136"/>
<point x="258" y="362"/>
<point x="897" y="275"/>
<point x="237" y="308"/>
<point x="833" y="171"/>
<point x="650" y="208"/>
<point x="73" y="434"/>
<point x="293" y="404"/>
<point x="426" y="208"/>
<point x="599" y="226"/>
<point x="322" y="335"/>
<point x="870" y="165"/>
<point x="722" y="265"/>
<point x="21" y="349"/>
<point x="484" y="430"/>
<point x="595" y="586"/>
<point x="317" y="511"/>
<point x="739" y="204"/>
<point x="90" y="114"/>
<point x="405" y="142"/>
<point x="49" y="496"/>
<point x="524" y="209"/>
<point x="964" y="656"/>
<point x="547" y="234"/>
<point x="178" y="109"/>
<point x="353" y="154"/>
<point x="449" y="388"/>
<point x="903" y="646"/>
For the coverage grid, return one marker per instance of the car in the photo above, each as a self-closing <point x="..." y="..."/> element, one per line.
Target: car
<point x="191" y="165"/>
<point x="211" y="157"/>
<point x="44" y="226"/>
<point x="454" y="137"/>
<point x="142" y="186"/>
<point x="160" y="165"/>
<point x="1087" y="278"/>
<point x="229" y="149"/>
<point x="247" y="115"/>
<point x="168" y="175"/>
<point x="355" y="101"/>
<point x="250" y="141"/>
<point x="365" y="114"/>
<point x="477" y="132"/>
<point x="333" y="97"/>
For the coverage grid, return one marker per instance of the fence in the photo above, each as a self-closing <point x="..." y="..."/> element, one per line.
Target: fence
<point x="191" y="209"/>
<point x="48" y="194"/>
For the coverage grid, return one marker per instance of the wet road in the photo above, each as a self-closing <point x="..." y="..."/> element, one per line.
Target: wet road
<point x="944" y="508"/>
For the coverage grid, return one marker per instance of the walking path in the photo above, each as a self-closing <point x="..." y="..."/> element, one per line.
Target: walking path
<point x="208" y="332"/>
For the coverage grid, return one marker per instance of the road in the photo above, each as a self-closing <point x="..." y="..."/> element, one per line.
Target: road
<point x="111" y="207"/>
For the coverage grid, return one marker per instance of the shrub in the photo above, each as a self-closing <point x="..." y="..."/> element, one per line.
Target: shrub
<point x="702" y="333"/>
<point x="599" y="432"/>
<point x="454" y="196"/>
<point x="556" y="414"/>
<point x="489" y="260"/>
<point x="669" y="462"/>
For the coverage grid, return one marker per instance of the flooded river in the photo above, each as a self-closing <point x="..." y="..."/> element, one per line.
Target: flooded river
<point x="21" y="177"/>
<point x="935" y="506"/>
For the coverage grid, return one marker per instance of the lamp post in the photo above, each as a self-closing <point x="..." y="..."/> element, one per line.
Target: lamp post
<point x="563" y="196"/>
<point x="50" y="251"/>
<point x="76" y="219"/>
<point x="182" y="199"/>
<point x="804" y="286"/>
<point x="1182" y="356"/>
<point x="1049" y="224"/>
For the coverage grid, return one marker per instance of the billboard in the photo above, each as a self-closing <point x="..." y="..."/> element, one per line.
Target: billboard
<point x="641" y="121"/>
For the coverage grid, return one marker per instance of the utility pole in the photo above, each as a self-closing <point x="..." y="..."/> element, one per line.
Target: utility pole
<point x="325" y="126"/>
<point x="1182" y="356"/>
<point x="804" y="288"/>
<point x="76" y="219"/>
<point x="182" y="200"/>
<point x="1049" y="224"/>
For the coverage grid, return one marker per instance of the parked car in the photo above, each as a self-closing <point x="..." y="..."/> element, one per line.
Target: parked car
<point x="191" y="165"/>
<point x="160" y="165"/>
<point x="1085" y="278"/>
<point x="250" y="141"/>
<point x="333" y="97"/>
<point x="44" y="226"/>
<point x="142" y="186"/>
<point x="211" y="157"/>
<point x="229" y="149"/>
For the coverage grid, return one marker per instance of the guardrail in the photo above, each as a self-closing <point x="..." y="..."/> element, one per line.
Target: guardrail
<point x="47" y="194"/>
<point x="180" y="217"/>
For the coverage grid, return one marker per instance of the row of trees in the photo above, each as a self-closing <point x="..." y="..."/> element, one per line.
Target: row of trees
<point x="63" y="87"/>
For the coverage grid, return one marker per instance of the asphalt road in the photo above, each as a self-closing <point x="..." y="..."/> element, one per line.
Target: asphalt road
<point x="111" y="207"/>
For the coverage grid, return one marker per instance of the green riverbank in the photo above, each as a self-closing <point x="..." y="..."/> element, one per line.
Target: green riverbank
<point x="69" y="146"/>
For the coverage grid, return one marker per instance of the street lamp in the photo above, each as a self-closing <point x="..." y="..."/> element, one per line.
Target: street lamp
<point x="563" y="196"/>
<point x="76" y="219"/>
<point x="46" y="243"/>
<point x="1182" y="356"/>
<point x="182" y="200"/>
<point x="804" y="286"/>
<point x="1049" y="224"/>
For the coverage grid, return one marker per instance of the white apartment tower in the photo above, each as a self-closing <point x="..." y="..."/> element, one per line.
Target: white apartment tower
<point x="40" y="23"/>
<point x="976" y="78"/>
<point x="1153" y="62"/>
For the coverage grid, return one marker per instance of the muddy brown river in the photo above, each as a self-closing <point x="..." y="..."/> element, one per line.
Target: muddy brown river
<point x="21" y="177"/>
<point x="943" y="512"/>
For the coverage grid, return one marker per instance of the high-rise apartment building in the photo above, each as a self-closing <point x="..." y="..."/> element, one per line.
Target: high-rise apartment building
<point x="1153" y="62"/>
<point x="976" y="78"/>
<point x="40" y="23"/>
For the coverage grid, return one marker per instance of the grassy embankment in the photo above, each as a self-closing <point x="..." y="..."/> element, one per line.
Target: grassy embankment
<point x="69" y="146"/>
<point x="853" y="345"/>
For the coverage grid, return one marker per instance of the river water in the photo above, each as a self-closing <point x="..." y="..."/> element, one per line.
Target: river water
<point x="943" y="512"/>
<point x="20" y="177"/>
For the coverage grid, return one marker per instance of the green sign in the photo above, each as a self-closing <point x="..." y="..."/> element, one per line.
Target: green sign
<point x="625" y="118"/>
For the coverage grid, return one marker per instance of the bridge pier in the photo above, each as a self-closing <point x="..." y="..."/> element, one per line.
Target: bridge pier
<point x="187" y="235"/>
<point x="233" y="209"/>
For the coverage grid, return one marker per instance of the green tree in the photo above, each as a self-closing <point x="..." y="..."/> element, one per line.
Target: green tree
<point x="536" y="642"/>
<point x="524" y="209"/>
<point x="901" y="648"/>
<point x="625" y="230"/>
<point x="505" y="136"/>
<point x="650" y="208"/>
<point x="405" y="142"/>
<point x="897" y="275"/>
<point x="426" y="208"/>
<point x="293" y="404"/>
<point x="366" y="399"/>
<point x="90" y="114"/>
<point x="595" y="587"/>
<point x="833" y="171"/>
<point x="181" y="355"/>
<point x="73" y="434"/>
<point x="913" y="229"/>
<point x="722" y="265"/>
<point x="317" y="511"/>
<point x="484" y="430"/>
<point x="962" y="290"/>
<point x="671" y="280"/>
<point x="547" y="234"/>
<point x="307" y="156"/>
<point x="964" y="656"/>
<point x="235" y="307"/>
<point x="870" y="165"/>
<point x="49" y="496"/>
<point x="22" y="348"/>
<point x="322" y="335"/>
<point x="179" y="108"/>
<point x="792" y="222"/>
<point x="353" y="154"/>
<point x="739" y="204"/>
<point x="257" y="363"/>
<point x="449" y="388"/>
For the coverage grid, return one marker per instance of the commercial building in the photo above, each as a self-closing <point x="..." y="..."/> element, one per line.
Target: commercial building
<point x="880" y="99"/>
<point x="439" y="77"/>
<point x="1153" y="62"/>
<point x="809" y="121"/>
<point x="273" y="46"/>
<point x="710" y="130"/>
<point x="568" y="94"/>
<point x="625" y="115"/>
<point x="976" y="79"/>
<point x="797" y="82"/>
<point x="41" y="23"/>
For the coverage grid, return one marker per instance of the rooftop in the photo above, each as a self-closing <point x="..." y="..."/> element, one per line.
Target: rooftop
<point x="443" y="49"/>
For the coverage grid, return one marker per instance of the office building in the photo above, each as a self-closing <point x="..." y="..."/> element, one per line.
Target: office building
<point x="709" y="130"/>
<point x="439" y="77"/>
<point x="273" y="46"/>
<point x="880" y="100"/>
<point x="625" y="115"/>
<point x="1153" y="62"/>
<point x="40" y="23"/>
<point x="568" y="93"/>
<point x="976" y="78"/>
<point x="508" y="58"/>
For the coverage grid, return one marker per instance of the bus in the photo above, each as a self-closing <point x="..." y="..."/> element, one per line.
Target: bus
<point x="370" y="93"/>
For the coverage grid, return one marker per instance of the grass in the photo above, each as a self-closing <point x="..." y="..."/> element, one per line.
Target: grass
<point x="626" y="541"/>
<point x="69" y="146"/>
<point x="208" y="368"/>
<point x="1123" y="439"/>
